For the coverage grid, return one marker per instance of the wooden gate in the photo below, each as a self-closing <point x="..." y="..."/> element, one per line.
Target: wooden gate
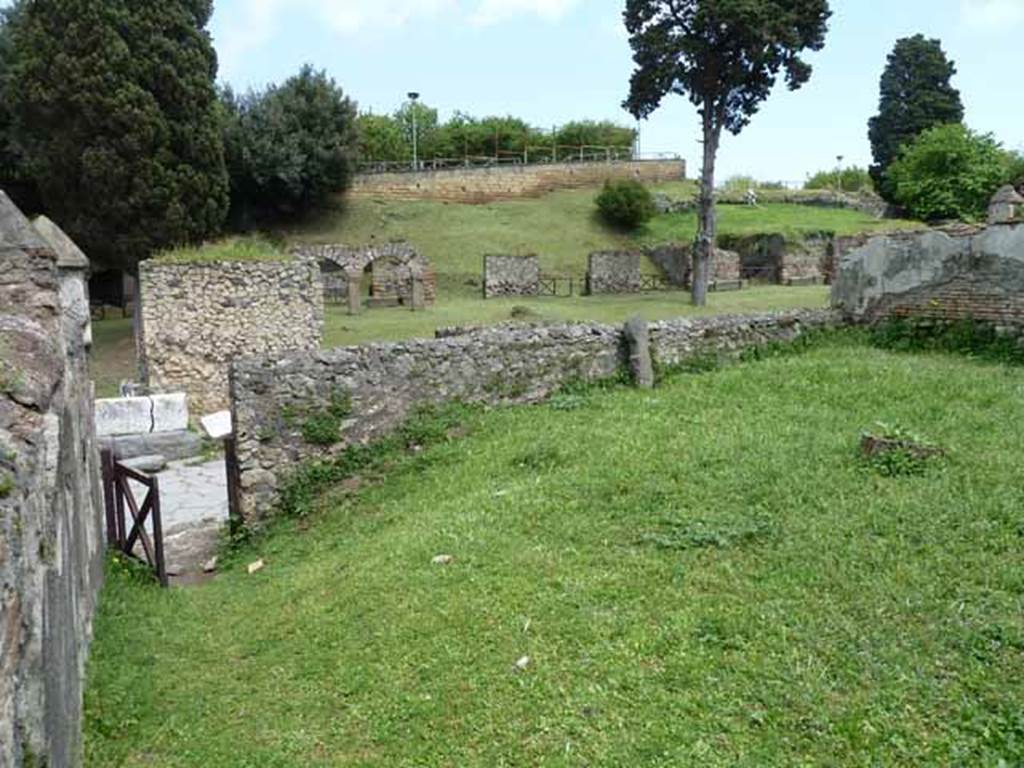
<point x="126" y="518"/>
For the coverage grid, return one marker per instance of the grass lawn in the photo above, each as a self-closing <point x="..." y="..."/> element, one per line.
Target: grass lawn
<point x="703" y="575"/>
<point x="113" y="355"/>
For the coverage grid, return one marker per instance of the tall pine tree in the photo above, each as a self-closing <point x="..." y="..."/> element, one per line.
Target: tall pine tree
<point x="916" y="94"/>
<point x="115" y="104"/>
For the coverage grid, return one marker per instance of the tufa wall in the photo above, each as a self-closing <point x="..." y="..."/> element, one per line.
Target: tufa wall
<point x="198" y="317"/>
<point x="51" y="534"/>
<point x="392" y="266"/>
<point x="481" y="185"/>
<point x="384" y="382"/>
<point x="941" y="275"/>
<point x="511" y="276"/>
<point x="613" y="272"/>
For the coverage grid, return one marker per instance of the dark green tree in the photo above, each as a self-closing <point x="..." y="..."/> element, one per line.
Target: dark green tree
<point x="290" y="147"/>
<point x="115" y="107"/>
<point x="15" y="178"/>
<point x="916" y="94"/>
<point x="725" y="56"/>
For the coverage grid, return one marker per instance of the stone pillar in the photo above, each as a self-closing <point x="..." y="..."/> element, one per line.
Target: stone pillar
<point x="640" y="364"/>
<point x="354" y="287"/>
<point x="419" y="299"/>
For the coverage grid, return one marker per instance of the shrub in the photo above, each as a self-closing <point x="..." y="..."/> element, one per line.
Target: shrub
<point x="625" y="204"/>
<point x="852" y="179"/>
<point x="948" y="172"/>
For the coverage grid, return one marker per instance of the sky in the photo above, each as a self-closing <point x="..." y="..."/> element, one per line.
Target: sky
<point x="551" y="61"/>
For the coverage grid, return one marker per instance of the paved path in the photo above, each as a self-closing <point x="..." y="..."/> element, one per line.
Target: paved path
<point x="194" y="509"/>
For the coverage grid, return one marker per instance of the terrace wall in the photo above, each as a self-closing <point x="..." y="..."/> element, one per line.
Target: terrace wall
<point x="51" y="518"/>
<point x="481" y="185"/>
<point x="936" y="275"/>
<point x="198" y="317"/>
<point x="508" y="364"/>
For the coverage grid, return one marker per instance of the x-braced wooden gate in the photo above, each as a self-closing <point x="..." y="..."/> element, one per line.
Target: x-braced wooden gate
<point x="123" y="533"/>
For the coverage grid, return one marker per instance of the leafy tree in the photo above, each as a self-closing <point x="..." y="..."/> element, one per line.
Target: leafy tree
<point x="852" y="179"/>
<point x="916" y="94"/>
<point x="14" y="173"/>
<point x="948" y="172"/>
<point x="626" y="204"/>
<point x="380" y="138"/>
<point x="290" y="147"/>
<point x="116" y="110"/>
<point x="725" y="56"/>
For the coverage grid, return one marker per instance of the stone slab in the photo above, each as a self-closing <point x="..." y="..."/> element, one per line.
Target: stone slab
<point x="141" y="415"/>
<point x="173" y="445"/>
<point x="217" y="425"/>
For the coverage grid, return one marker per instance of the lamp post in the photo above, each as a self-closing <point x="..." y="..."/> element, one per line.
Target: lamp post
<point x="839" y="175"/>
<point x="413" y="97"/>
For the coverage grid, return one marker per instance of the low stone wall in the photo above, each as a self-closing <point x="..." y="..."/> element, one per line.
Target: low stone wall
<point x="196" y="318"/>
<point x="511" y="276"/>
<point x="613" y="272"/>
<point x="271" y="399"/>
<point x="51" y="519"/>
<point x="943" y="275"/>
<point x="481" y="185"/>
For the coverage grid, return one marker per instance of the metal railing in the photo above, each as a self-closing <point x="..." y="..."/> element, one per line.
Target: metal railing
<point x="531" y="156"/>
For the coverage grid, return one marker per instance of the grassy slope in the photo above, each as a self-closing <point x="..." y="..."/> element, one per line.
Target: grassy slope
<point x="561" y="227"/>
<point x="113" y="355"/>
<point x="702" y="575"/>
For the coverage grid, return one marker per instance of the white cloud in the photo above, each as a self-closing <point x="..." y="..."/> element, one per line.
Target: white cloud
<point x="992" y="13"/>
<point x="253" y="24"/>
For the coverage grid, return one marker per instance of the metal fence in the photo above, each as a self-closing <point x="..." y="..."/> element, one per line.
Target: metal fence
<point x="529" y="156"/>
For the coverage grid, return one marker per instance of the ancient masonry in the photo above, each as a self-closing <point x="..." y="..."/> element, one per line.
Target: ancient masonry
<point x="198" y="317"/>
<point x="399" y="275"/>
<point x="613" y="272"/>
<point x="511" y="276"/>
<point x="937" y="275"/>
<point x="51" y="519"/>
<point x="378" y="385"/>
<point x="481" y="185"/>
<point x="941" y="275"/>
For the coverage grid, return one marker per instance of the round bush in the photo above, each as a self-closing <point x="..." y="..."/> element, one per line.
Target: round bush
<point x="625" y="204"/>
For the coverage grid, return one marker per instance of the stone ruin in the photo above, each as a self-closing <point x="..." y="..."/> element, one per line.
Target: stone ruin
<point x="399" y="275"/>
<point x="1007" y="206"/>
<point x="511" y="276"/>
<point x="51" y="508"/>
<point x="614" y="272"/>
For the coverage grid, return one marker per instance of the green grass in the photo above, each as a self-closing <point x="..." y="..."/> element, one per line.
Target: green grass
<point x="230" y="249"/>
<point x="561" y="227"/>
<point x="793" y="221"/>
<point x="706" y="574"/>
<point x="112" y="359"/>
<point x="399" y="323"/>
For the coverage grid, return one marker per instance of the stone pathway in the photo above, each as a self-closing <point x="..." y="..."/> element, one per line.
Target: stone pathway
<point x="194" y="509"/>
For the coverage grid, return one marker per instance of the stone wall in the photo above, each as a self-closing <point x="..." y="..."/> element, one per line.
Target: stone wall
<point x="511" y="276"/>
<point x="944" y="275"/>
<point x="383" y="382"/>
<point x="198" y="317"/>
<point x="51" y="519"/>
<point x="393" y="267"/>
<point x="613" y="272"/>
<point x="481" y="185"/>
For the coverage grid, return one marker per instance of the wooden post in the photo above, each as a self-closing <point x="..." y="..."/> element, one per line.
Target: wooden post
<point x="107" y="464"/>
<point x="158" y="534"/>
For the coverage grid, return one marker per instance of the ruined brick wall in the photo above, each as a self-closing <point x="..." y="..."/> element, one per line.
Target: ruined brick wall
<point x="511" y="276"/>
<point x="392" y="267"/>
<point x="481" y="185"/>
<point x="198" y="317"/>
<point x="51" y="534"/>
<point x="613" y="272"/>
<point x="942" y="275"/>
<point x="507" y="364"/>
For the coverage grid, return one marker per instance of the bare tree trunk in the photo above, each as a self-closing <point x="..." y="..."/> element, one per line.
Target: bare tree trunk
<point x="707" y="221"/>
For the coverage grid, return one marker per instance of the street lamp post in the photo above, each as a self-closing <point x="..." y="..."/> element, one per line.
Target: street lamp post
<point x="839" y="175"/>
<point x="413" y="97"/>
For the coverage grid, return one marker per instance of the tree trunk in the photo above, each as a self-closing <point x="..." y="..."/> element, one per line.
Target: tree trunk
<point x="707" y="223"/>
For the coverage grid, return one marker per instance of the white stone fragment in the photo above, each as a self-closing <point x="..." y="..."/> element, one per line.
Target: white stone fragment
<point x="443" y="560"/>
<point x="522" y="664"/>
<point x="217" y="425"/>
<point x="141" y="415"/>
<point x="256" y="566"/>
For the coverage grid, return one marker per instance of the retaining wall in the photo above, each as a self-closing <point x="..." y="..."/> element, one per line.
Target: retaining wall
<point x="384" y="382"/>
<point x="51" y="519"/>
<point x="481" y="185"/>
<point x="938" y="275"/>
<point x="198" y="317"/>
